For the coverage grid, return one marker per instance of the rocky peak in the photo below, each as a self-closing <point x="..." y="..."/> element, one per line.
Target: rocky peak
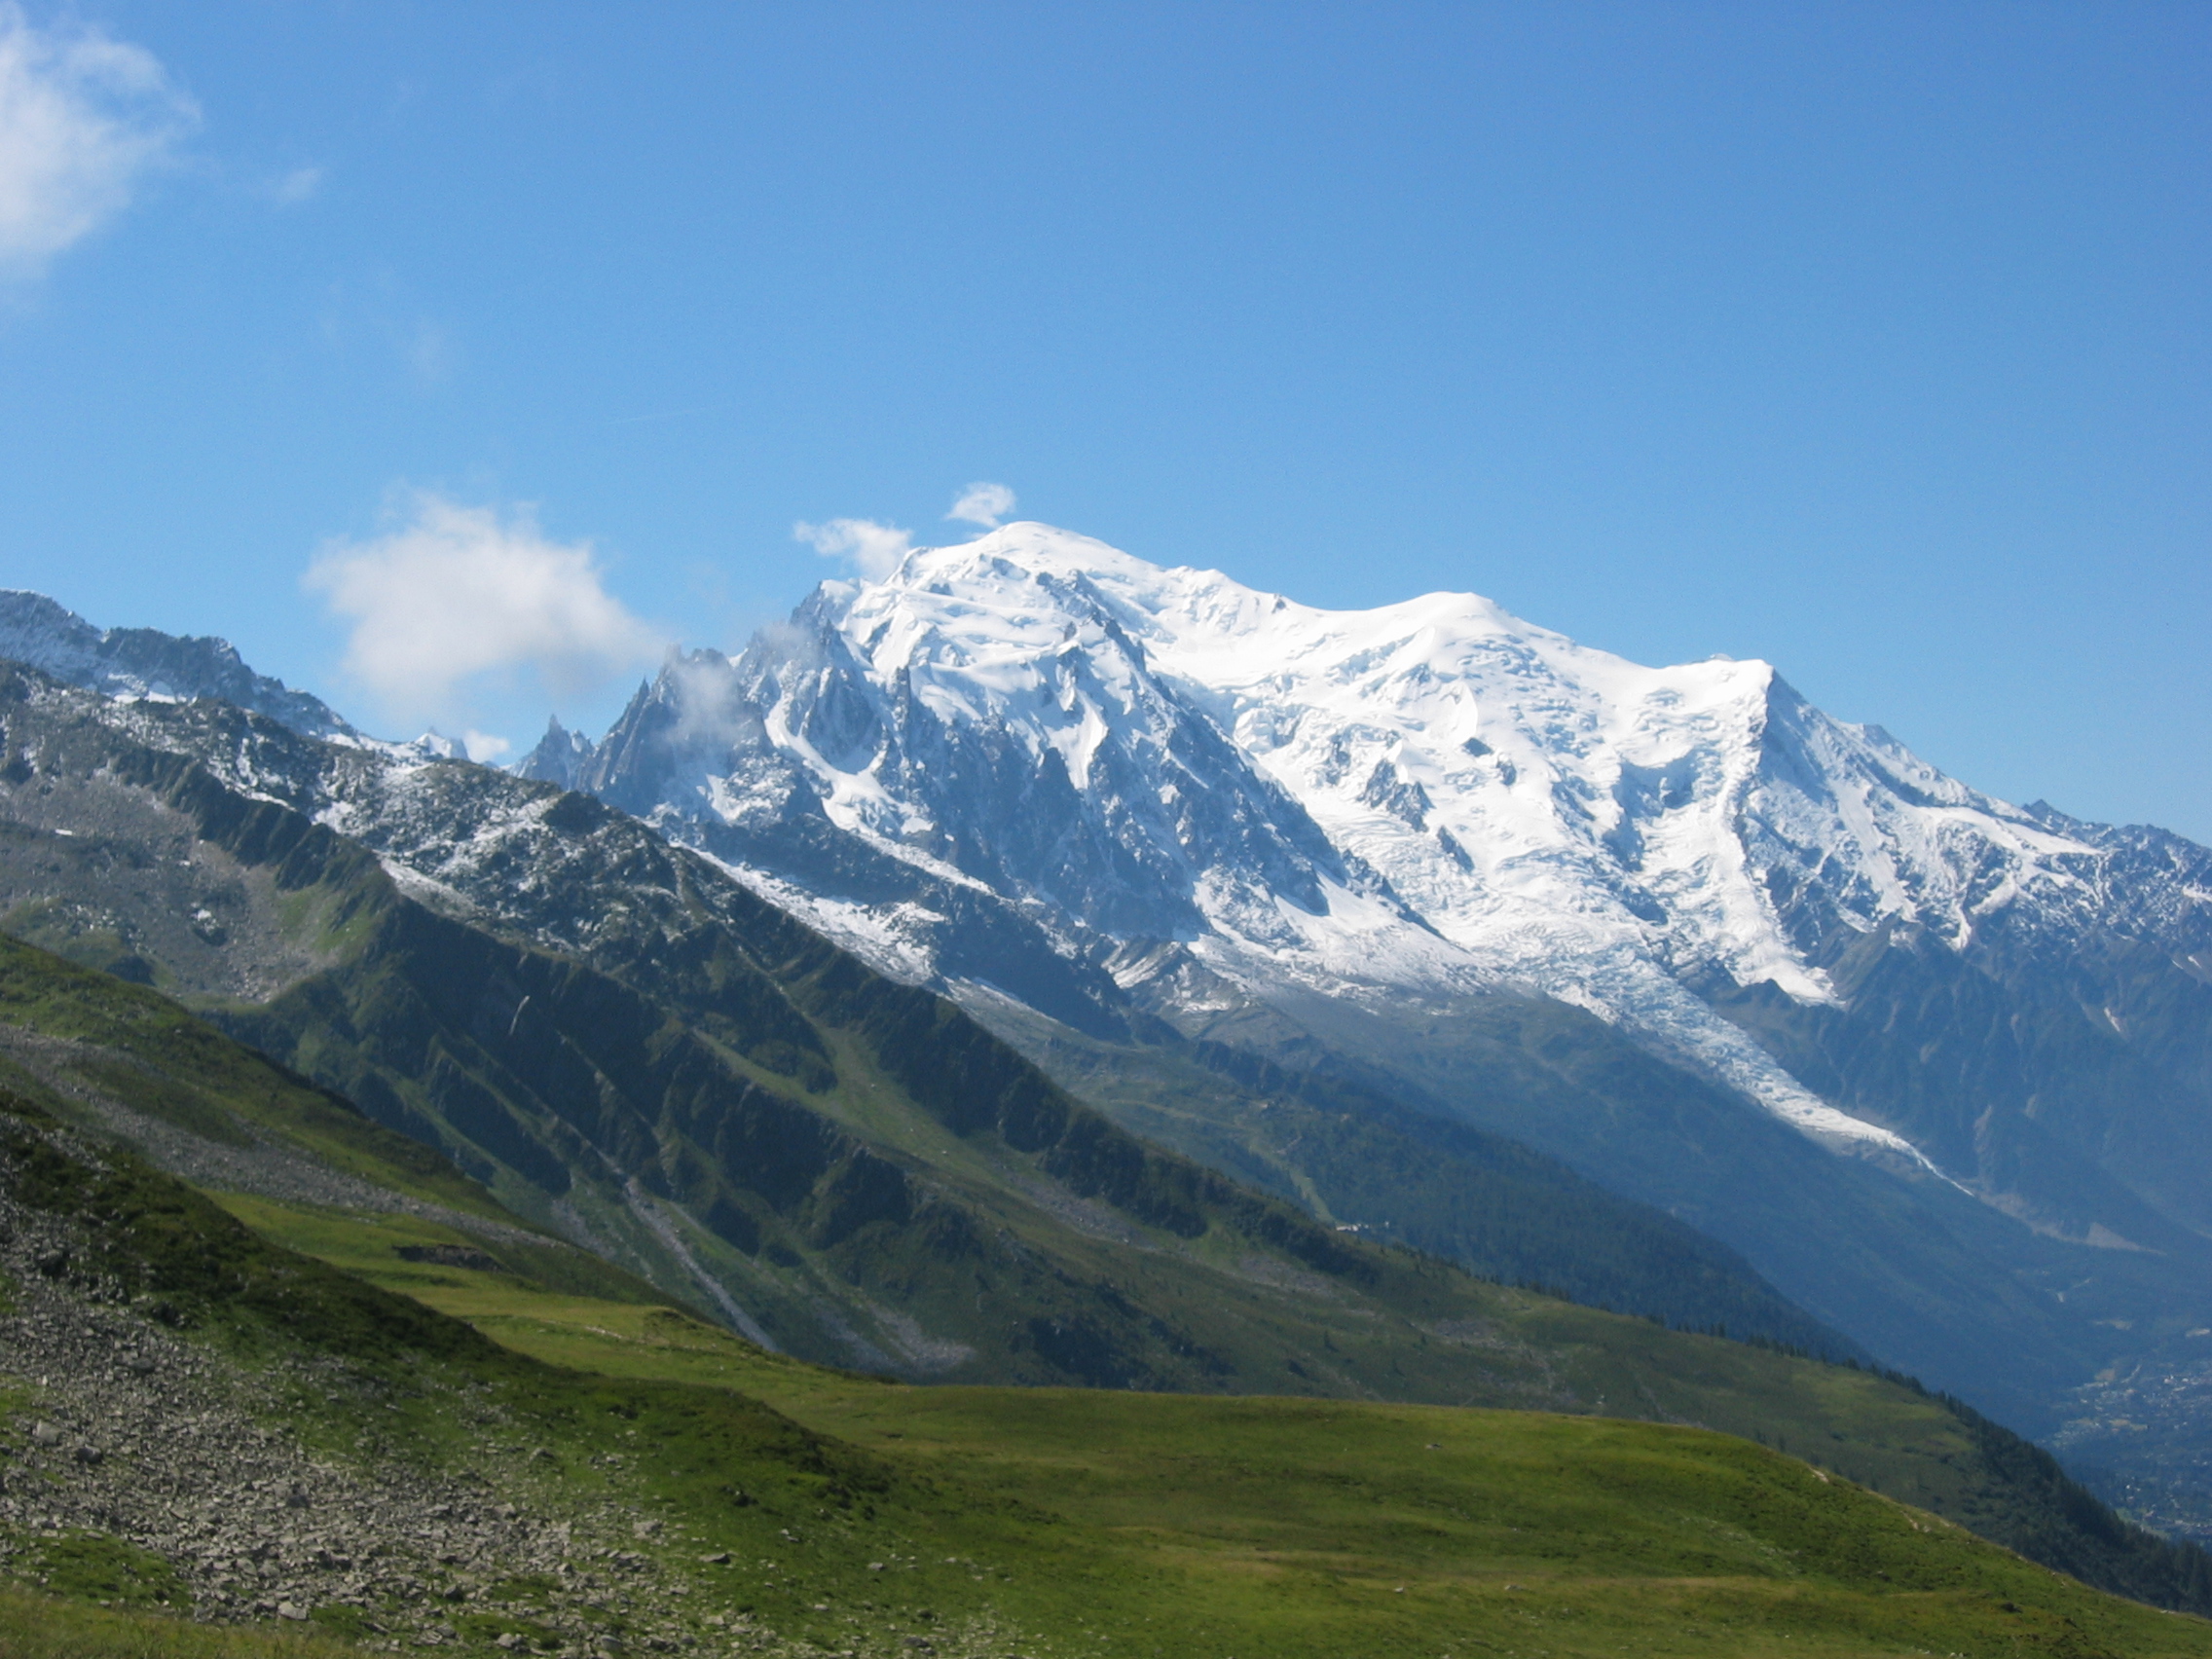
<point x="143" y="662"/>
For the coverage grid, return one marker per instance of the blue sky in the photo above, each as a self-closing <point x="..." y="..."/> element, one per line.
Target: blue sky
<point x="1870" y="340"/>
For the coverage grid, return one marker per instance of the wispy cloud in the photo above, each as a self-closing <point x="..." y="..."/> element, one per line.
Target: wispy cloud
<point x="301" y="184"/>
<point x="453" y="592"/>
<point x="83" y="118"/>
<point x="982" y="503"/>
<point x="483" y="747"/>
<point x="874" y="549"/>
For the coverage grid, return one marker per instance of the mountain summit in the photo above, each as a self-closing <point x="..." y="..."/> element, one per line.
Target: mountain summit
<point x="1430" y="797"/>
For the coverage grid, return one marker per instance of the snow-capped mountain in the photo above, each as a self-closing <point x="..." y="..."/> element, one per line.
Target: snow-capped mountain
<point x="1426" y="799"/>
<point x="1312" y="895"/>
<point x="143" y="662"/>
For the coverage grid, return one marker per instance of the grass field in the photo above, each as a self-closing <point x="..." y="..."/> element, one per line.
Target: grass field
<point x="1109" y="1522"/>
<point x="1850" y="1421"/>
<point x="1095" y="1524"/>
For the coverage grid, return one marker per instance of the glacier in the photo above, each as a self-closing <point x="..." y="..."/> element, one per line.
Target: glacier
<point x="1166" y="770"/>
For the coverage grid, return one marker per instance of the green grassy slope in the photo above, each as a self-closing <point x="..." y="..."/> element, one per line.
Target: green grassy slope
<point x="1055" y="1523"/>
<point x="119" y="1058"/>
<point x="1881" y="1432"/>
<point x="144" y="1052"/>
<point x="44" y="1627"/>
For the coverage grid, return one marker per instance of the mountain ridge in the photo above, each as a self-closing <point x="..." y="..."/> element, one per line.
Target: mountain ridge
<point x="1051" y="644"/>
<point x="144" y="662"/>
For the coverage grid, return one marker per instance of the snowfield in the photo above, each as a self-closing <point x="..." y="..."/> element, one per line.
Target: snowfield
<point x="1425" y="799"/>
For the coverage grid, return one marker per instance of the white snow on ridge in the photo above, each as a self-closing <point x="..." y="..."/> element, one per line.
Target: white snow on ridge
<point x="1544" y="814"/>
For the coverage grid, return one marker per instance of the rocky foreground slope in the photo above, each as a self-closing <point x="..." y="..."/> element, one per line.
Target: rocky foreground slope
<point x="176" y="1458"/>
<point x="204" y="1425"/>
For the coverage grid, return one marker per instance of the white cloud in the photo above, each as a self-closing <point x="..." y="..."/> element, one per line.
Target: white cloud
<point x="456" y="592"/>
<point x="874" y="549"/>
<point x="483" y="747"/>
<point x="982" y="503"/>
<point x="83" y="117"/>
